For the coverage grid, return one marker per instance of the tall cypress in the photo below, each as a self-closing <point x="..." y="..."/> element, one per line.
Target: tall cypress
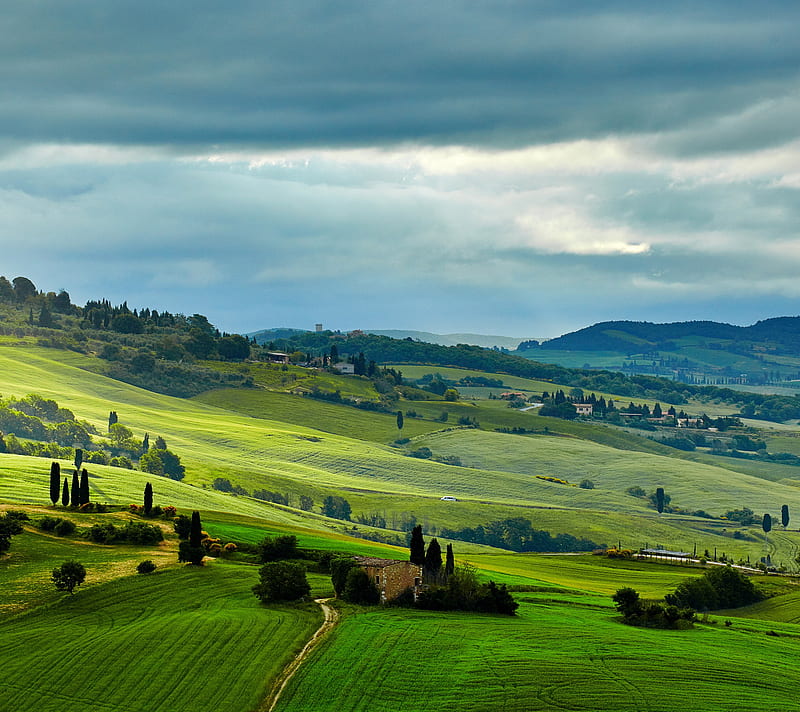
<point x="785" y="515"/>
<point x="148" y="499"/>
<point x="660" y="499"/>
<point x="766" y="524"/>
<point x="417" y="546"/>
<point x="450" y="562"/>
<point x="195" y="533"/>
<point x="78" y="458"/>
<point x="55" y="482"/>
<point x="399" y="419"/>
<point x="146" y="442"/>
<point x="75" y="491"/>
<point x="431" y="572"/>
<point x="84" y="492"/>
<point x="65" y="493"/>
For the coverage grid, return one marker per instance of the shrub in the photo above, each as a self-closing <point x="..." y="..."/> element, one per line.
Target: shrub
<point x="720" y="587"/>
<point x="281" y="581"/>
<point x="279" y="547"/>
<point x="586" y="484"/>
<point x="359" y="589"/>
<point x="69" y="575"/>
<point x="64" y="527"/>
<point x="145" y="567"/>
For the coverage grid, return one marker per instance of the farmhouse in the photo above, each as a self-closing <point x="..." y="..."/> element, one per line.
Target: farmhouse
<point x="277" y="357"/>
<point x="344" y="367"/>
<point x="391" y="577"/>
<point x="583" y="408"/>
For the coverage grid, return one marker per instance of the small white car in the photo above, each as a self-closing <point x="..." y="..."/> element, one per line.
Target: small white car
<point x="448" y="498"/>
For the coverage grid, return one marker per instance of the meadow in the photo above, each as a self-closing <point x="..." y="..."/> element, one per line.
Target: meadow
<point x="183" y="638"/>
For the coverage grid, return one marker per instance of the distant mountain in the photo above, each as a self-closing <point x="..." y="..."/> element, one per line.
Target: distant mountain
<point x="264" y="336"/>
<point x="700" y="352"/>
<point x="781" y="334"/>
<point x="485" y="340"/>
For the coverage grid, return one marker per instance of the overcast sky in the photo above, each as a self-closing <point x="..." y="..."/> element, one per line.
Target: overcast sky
<point x="523" y="168"/>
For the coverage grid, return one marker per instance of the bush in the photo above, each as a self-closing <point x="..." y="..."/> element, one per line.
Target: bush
<point x="281" y="581"/>
<point x="145" y="567"/>
<point x="69" y="575"/>
<point x="359" y="589"/>
<point x="276" y="548"/>
<point x="64" y="528"/>
<point x="720" y="587"/>
<point x="586" y="484"/>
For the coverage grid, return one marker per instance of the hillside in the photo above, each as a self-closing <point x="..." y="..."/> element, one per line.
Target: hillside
<point x="765" y="354"/>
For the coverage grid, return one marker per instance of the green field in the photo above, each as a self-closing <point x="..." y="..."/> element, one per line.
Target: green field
<point x="159" y="642"/>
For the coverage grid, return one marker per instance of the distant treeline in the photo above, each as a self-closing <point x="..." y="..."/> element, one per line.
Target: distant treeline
<point x="517" y="534"/>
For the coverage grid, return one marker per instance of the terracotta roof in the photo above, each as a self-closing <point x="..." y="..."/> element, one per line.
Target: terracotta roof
<point x="377" y="563"/>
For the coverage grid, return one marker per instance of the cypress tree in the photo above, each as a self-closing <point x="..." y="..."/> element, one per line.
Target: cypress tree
<point x="660" y="499"/>
<point x="84" y="490"/>
<point x="785" y="515"/>
<point x="766" y="524"/>
<point x="450" y="562"/>
<point x="55" y="482"/>
<point x="399" y="419"/>
<point x="75" y="491"/>
<point x="78" y="458"/>
<point x="146" y="442"/>
<point x="148" y="499"/>
<point x="65" y="493"/>
<point x="112" y="418"/>
<point x="195" y="533"/>
<point x="433" y="561"/>
<point x="417" y="546"/>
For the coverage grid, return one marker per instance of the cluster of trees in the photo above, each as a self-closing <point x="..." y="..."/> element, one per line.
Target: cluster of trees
<point x="719" y="587"/>
<point x="652" y="615"/>
<point x="451" y="587"/>
<point x="517" y="534"/>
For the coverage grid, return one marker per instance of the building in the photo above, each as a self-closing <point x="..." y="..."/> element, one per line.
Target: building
<point x="318" y="328"/>
<point x="583" y="408"/>
<point x="277" y="357"/>
<point x="391" y="577"/>
<point x="344" y="367"/>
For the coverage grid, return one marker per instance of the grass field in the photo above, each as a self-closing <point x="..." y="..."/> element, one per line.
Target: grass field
<point x="179" y="639"/>
<point x="560" y="653"/>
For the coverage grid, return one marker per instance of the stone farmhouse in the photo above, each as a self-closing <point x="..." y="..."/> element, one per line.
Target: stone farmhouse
<point x="391" y="577"/>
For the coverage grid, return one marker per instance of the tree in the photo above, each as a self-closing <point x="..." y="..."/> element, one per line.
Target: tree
<point x="400" y="420"/>
<point x="657" y="412"/>
<point x="65" y="494"/>
<point x="162" y="462"/>
<point x="112" y="419"/>
<point x="336" y="508"/>
<point x="45" y="317"/>
<point x="182" y="525"/>
<point x="766" y="524"/>
<point x="9" y="526"/>
<point x="281" y="581"/>
<point x="55" y="482"/>
<point x="83" y="491"/>
<point x="161" y="444"/>
<point x="75" y="491"/>
<point x="340" y="567"/>
<point x="196" y="531"/>
<point x="785" y="515"/>
<point x="146" y="442"/>
<point x="234" y="348"/>
<point x="23" y="288"/>
<point x="78" y="458"/>
<point x="306" y="503"/>
<point x="627" y="602"/>
<point x="127" y="324"/>
<point x="433" y="560"/>
<point x="119" y="435"/>
<point x="192" y="551"/>
<point x="417" y="546"/>
<point x="450" y="562"/>
<point x="69" y="575"/>
<point x="660" y="499"/>
<point x="278" y="547"/>
<point x="148" y="499"/>
<point x="451" y="395"/>
<point x="359" y="589"/>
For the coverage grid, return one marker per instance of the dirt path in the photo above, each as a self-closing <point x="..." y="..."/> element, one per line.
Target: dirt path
<point x="331" y="619"/>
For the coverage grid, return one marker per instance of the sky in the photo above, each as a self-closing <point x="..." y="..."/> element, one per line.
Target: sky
<point x="524" y="168"/>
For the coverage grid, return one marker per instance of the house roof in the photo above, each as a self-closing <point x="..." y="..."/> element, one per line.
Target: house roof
<point x="376" y="562"/>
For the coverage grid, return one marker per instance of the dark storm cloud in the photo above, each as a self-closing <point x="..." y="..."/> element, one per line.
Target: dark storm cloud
<point x="316" y="73"/>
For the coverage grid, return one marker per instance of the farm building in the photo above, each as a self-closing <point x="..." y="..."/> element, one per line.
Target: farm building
<point x="391" y="577"/>
<point x="583" y="408"/>
<point x="277" y="357"/>
<point x="344" y="367"/>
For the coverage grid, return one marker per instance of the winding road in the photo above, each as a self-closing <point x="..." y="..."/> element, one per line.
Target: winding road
<point x="331" y="619"/>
